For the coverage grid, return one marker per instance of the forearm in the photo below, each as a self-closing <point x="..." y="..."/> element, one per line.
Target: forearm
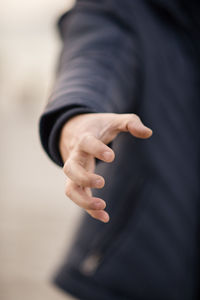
<point x="98" y="60"/>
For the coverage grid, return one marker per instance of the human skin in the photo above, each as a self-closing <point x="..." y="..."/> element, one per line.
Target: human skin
<point x="85" y="137"/>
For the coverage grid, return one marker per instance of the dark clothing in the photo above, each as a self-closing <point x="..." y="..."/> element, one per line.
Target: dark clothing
<point x="143" y="57"/>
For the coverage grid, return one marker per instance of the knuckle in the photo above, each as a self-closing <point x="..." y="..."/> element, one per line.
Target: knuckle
<point x="85" y="138"/>
<point x="135" y="117"/>
<point x="91" y="206"/>
<point x="87" y="206"/>
<point x="67" y="168"/>
<point x="84" y="180"/>
<point x="68" y="191"/>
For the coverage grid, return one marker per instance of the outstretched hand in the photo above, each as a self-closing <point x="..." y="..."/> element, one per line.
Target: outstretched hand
<point x="84" y="138"/>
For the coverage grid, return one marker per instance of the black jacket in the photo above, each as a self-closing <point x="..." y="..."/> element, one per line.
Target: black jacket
<point x="142" y="57"/>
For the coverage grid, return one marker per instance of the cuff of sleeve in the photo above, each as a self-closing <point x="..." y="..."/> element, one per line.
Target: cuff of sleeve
<point x="53" y="142"/>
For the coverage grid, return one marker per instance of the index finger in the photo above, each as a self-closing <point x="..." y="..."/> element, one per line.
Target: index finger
<point x="95" y="147"/>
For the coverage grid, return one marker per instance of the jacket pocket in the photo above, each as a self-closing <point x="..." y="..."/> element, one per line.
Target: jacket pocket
<point x="123" y="214"/>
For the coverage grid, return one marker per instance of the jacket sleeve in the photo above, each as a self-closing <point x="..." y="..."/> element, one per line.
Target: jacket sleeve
<point x="97" y="71"/>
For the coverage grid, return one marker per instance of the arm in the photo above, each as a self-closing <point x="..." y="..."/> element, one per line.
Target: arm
<point x="98" y="69"/>
<point x="98" y="74"/>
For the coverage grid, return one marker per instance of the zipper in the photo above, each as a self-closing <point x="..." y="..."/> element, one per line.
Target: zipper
<point x="120" y="219"/>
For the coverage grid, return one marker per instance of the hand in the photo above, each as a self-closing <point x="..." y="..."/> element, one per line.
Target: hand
<point x="84" y="138"/>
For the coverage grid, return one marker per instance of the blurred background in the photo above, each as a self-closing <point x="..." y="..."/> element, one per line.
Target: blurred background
<point x="37" y="221"/>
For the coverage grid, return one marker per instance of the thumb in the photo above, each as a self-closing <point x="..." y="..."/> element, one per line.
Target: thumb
<point x="133" y="124"/>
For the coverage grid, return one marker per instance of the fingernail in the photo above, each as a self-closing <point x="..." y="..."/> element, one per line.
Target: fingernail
<point x="99" y="205"/>
<point x="149" y="129"/>
<point x="105" y="217"/>
<point x="98" y="182"/>
<point x="107" y="155"/>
